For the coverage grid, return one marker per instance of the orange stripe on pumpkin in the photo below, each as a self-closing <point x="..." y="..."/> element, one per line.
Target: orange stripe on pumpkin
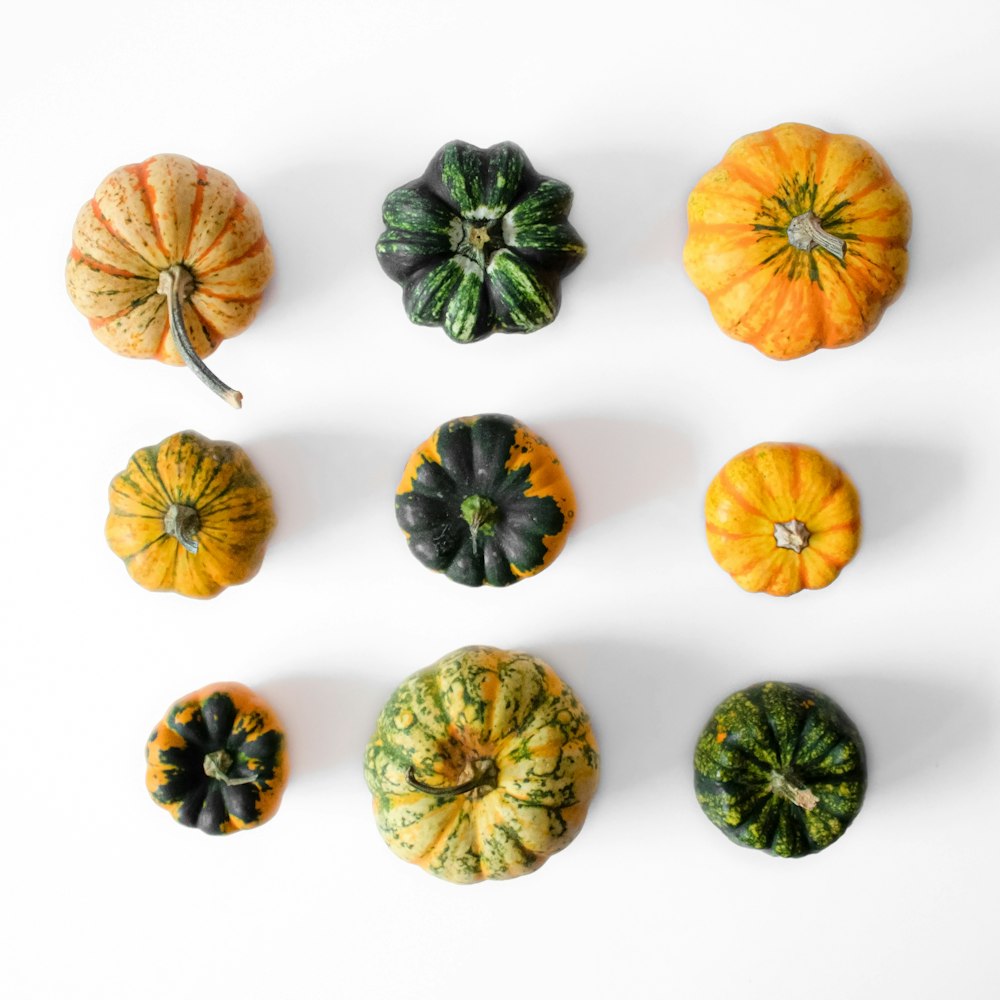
<point x="141" y="173"/>
<point x="251" y="251"/>
<point x="113" y="232"/>
<point x="97" y="265"/>
<point x="234" y="213"/>
<point x="738" y="497"/>
<point x="199" y="198"/>
<point x="739" y="171"/>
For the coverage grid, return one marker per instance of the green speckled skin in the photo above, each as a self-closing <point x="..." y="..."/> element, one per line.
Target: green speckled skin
<point x="480" y="242"/>
<point x="776" y="731"/>
<point x="481" y="705"/>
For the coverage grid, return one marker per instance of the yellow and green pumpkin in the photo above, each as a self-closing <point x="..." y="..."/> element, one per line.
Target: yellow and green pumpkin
<point x="217" y="761"/>
<point x="190" y="515"/>
<point x="798" y="240"/>
<point x="482" y="766"/>
<point x="169" y="258"/>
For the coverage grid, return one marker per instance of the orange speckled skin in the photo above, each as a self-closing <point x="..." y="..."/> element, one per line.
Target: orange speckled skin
<point x="146" y="217"/>
<point x="778" y="483"/>
<point x="788" y="302"/>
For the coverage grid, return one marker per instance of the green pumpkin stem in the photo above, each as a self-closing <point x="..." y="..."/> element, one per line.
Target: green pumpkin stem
<point x="177" y="283"/>
<point x="484" y="774"/>
<point x="805" y="232"/>
<point x="480" y="514"/>
<point x="794" y="793"/>
<point x="217" y="765"/>
<point x="182" y="522"/>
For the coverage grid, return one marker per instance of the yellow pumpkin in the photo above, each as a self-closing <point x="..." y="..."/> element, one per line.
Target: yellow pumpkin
<point x="169" y="258"/>
<point x="190" y="515"/>
<point x="782" y="517"/>
<point x="798" y="240"/>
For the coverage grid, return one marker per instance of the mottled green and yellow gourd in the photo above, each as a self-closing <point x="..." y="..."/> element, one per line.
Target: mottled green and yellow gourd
<point x="482" y="766"/>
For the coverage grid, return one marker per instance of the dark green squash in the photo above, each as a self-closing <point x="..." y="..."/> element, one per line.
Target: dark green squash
<point x="485" y="500"/>
<point x="216" y="761"/>
<point x="781" y="768"/>
<point x="480" y="242"/>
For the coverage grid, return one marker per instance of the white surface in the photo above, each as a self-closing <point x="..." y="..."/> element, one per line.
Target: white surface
<point x="318" y="110"/>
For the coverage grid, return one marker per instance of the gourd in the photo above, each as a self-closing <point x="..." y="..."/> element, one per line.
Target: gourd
<point x="798" y="240"/>
<point x="169" y="258"/>
<point x="482" y="766"/>
<point x="216" y="761"/>
<point x="190" y="515"/>
<point x="485" y="500"/>
<point x="480" y="242"/>
<point x="780" y="768"/>
<point x="782" y="517"/>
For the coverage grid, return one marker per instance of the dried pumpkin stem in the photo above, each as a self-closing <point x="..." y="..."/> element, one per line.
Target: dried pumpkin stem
<point x="484" y="774"/>
<point x="792" y="535"/>
<point x="182" y="522"/>
<point x="794" y="793"/>
<point x="217" y="765"/>
<point x="805" y="232"/>
<point x="480" y="513"/>
<point x="176" y="284"/>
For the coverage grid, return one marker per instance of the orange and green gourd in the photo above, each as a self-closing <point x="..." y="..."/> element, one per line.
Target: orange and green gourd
<point x="216" y="761"/>
<point x="782" y="517"/>
<point x="798" y="240"/>
<point x="780" y="768"/>
<point x="482" y="766"/>
<point x="169" y="258"/>
<point x="485" y="500"/>
<point x="190" y="515"/>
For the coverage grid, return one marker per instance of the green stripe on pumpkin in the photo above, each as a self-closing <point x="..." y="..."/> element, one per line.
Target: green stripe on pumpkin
<point x="523" y="300"/>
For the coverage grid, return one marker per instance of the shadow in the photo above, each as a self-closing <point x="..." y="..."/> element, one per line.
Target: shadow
<point x="329" y="719"/>
<point x="647" y="705"/>
<point x="616" y="464"/>
<point x="319" y="476"/>
<point x="911" y="726"/>
<point x="899" y="484"/>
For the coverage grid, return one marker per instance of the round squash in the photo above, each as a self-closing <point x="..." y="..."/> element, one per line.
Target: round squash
<point x="782" y="517"/>
<point x="798" y="240"/>
<point x="480" y="242"/>
<point x="485" y="500"/>
<point x="169" y="259"/>
<point x="482" y="766"/>
<point x="780" y="768"/>
<point x="190" y="515"/>
<point x="216" y="760"/>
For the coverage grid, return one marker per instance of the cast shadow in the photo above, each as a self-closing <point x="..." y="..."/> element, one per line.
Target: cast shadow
<point x="616" y="464"/>
<point x="326" y="475"/>
<point x="329" y="719"/>
<point x="900" y="484"/>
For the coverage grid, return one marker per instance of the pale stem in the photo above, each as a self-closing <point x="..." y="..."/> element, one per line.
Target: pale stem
<point x="796" y="794"/>
<point x="484" y="773"/>
<point x="182" y="522"/>
<point x="176" y="284"/>
<point x="792" y="535"/>
<point x="805" y="232"/>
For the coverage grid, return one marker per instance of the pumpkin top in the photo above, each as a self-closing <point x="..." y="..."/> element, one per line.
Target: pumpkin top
<point x="798" y="240"/>
<point x="480" y="242"/>
<point x="190" y="515"/>
<point x="169" y="258"/>
<point x="782" y="517"/>
<point x="781" y="768"/>
<point x="482" y="766"/>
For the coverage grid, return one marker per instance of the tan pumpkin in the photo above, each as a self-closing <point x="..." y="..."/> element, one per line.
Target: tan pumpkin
<point x="798" y="240"/>
<point x="190" y="515"/>
<point x="782" y="517"/>
<point x="169" y="258"/>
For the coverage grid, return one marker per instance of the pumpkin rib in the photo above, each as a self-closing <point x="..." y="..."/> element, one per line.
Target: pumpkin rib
<point x="746" y="175"/>
<point x="258" y="247"/>
<point x="141" y="173"/>
<point x="239" y="203"/>
<point x="201" y="176"/>
<point x="97" y="265"/>
<point x="99" y="215"/>
<point x="740" y="500"/>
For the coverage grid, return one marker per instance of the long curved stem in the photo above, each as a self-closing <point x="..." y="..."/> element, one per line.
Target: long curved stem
<point x="175" y="283"/>
<point x="487" y="774"/>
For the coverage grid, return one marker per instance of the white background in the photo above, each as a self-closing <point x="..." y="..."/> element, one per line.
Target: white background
<point x="318" y="110"/>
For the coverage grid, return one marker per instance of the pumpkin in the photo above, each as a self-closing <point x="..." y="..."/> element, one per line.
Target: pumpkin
<point x="798" y="240"/>
<point x="480" y="242"/>
<point x="782" y="517"/>
<point x="485" y="500"/>
<point x="482" y="766"/>
<point x="781" y="768"/>
<point x="190" y="515"/>
<point x="169" y="259"/>
<point x="217" y="760"/>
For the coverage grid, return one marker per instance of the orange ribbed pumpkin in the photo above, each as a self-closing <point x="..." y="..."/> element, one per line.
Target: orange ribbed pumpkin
<point x="781" y="518"/>
<point x="798" y="240"/>
<point x="169" y="259"/>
